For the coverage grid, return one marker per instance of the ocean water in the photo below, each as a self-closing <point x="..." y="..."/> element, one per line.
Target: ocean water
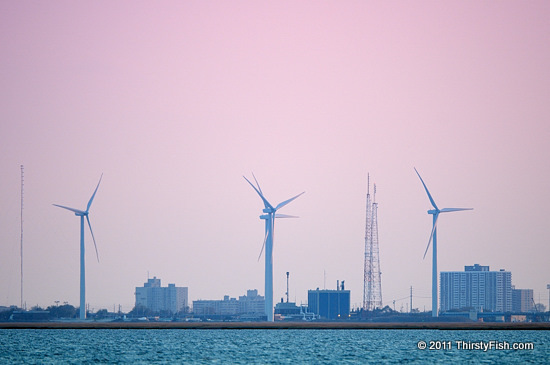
<point x="300" y="346"/>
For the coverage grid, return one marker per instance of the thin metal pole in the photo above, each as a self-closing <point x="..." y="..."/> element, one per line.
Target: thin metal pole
<point x="410" y="311"/>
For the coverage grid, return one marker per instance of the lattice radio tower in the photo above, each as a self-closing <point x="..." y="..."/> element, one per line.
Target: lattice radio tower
<point x="372" y="284"/>
<point x="21" y="246"/>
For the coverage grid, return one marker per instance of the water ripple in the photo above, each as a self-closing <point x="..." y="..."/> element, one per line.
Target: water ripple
<point x="182" y="346"/>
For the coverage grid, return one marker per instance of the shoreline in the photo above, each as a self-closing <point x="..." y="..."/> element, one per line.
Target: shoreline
<point x="279" y="325"/>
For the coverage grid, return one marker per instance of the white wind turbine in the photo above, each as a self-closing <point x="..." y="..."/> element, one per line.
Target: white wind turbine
<point x="269" y="218"/>
<point x="82" y="214"/>
<point x="433" y="236"/>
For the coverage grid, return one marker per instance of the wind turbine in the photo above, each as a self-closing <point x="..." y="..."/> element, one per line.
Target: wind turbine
<point x="269" y="217"/>
<point x="433" y="236"/>
<point x="82" y="214"/>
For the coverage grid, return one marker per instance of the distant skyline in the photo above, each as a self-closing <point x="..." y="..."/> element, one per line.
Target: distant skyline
<point x="174" y="103"/>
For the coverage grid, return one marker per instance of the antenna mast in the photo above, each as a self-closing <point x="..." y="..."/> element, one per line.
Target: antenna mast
<point x="366" y="273"/>
<point x="22" y="184"/>
<point x="372" y="280"/>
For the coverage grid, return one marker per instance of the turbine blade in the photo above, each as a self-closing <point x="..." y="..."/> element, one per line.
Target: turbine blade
<point x="93" y="195"/>
<point x="78" y="211"/>
<point x="287" y="201"/>
<point x="266" y="203"/>
<point x="427" y="191"/>
<point x="446" y="210"/>
<point x="265" y="239"/>
<point x="431" y="236"/>
<point x="285" y="216"/>
<point x="92" y="232"/>
<point x="257" y="183"/>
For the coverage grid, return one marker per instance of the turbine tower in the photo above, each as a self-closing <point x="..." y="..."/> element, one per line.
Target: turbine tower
<point x="372" y="277"/>
<point x="269" y="217"/>
<point x="82" y="214"/>
<point x="433" y="237"/>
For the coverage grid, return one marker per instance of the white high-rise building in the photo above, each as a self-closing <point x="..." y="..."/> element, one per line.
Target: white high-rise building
<point x="157" y="298"/>
<point x="477" y="288"/>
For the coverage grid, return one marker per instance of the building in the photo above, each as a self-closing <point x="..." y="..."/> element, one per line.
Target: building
<point x="226" y="307"/>
<point x="156" y="298"/>
<point x="476" y="288"/>
<point x="30" y="316"/>
<point x="522" y="300"/>
<point x="251" y="304"/>
<point x="329" y="304"/>
<point x="286" y="309"/>
<point x="289" y="311"/>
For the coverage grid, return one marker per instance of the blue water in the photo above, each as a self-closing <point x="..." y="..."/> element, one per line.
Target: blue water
<point x="123" y="346"/>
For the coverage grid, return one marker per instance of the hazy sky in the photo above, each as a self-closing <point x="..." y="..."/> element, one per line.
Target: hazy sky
<point x="174" y="101"/>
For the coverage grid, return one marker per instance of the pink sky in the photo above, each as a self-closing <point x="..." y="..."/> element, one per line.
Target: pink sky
<point x="175" y="101"/>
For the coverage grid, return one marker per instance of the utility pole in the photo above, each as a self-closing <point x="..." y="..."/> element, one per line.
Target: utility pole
<point x="411" y="300"/>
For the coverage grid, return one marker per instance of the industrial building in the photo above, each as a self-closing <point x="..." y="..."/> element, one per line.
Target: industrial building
<point x="171" y="298"/>
<point x="289" y="311"/>
<point x="329" y="304"/>
<point x="476" y="288"/>
<point x="251" y="303"/>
